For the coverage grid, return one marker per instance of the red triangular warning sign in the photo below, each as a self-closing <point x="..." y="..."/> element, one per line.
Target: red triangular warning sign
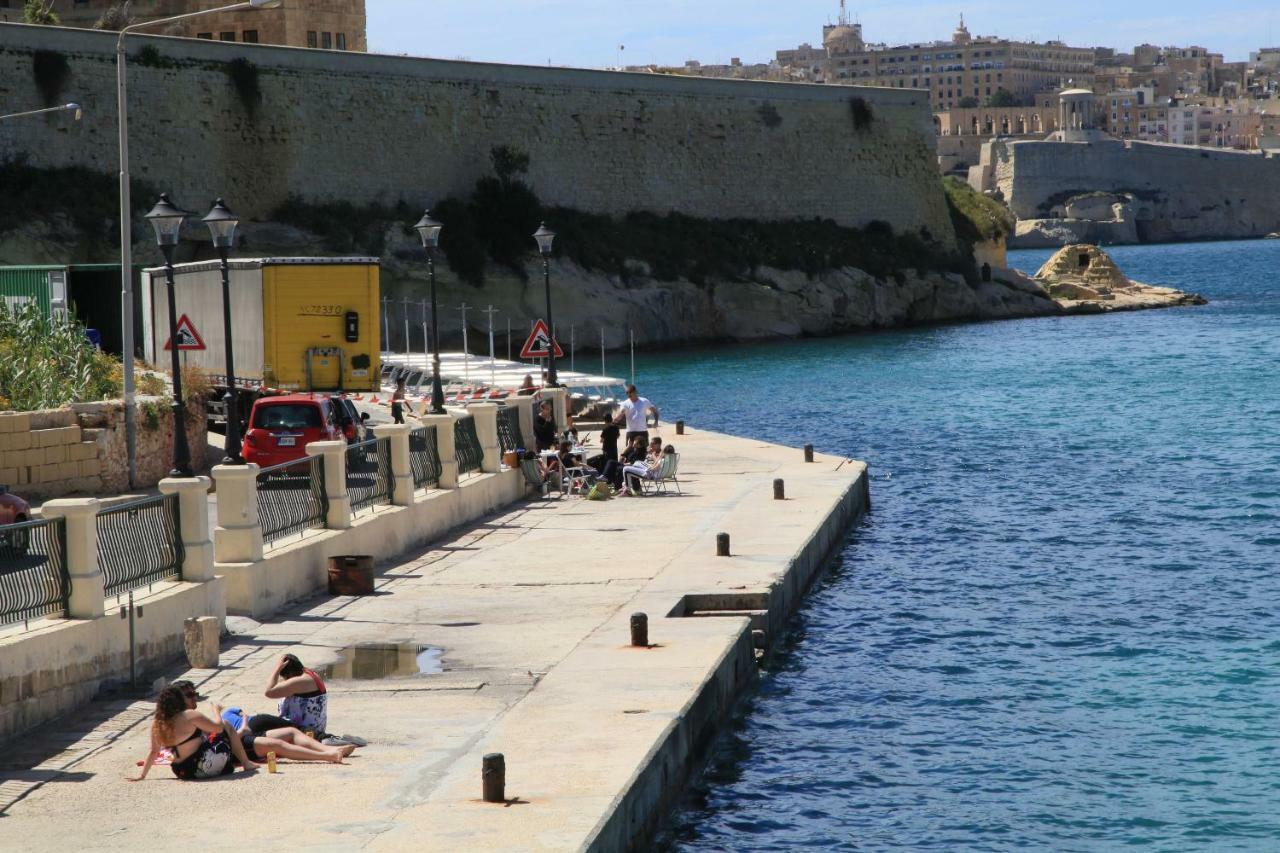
<point x="539" y="343"/>
<point x="189" y="339"/>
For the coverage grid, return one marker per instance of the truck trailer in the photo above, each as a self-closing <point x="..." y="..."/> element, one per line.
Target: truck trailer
<point x="299" y="324"/>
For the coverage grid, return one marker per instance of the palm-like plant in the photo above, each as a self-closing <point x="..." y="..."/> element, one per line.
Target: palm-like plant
<point x="47" y="362"/>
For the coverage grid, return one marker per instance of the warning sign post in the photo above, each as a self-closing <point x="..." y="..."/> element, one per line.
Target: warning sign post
<point x="540" y="343"/>
<point x="189" y="339"/>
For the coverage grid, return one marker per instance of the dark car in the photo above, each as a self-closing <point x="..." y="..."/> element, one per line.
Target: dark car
<point x="13" y="510"/>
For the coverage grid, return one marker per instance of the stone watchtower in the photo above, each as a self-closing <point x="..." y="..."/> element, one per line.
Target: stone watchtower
<point x="1075" y="116"/>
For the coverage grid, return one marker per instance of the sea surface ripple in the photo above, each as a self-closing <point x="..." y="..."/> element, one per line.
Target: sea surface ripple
<point x="1058" y="627"/>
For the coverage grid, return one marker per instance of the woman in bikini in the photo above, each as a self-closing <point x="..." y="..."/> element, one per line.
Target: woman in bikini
<point x="183" y="731"/>
<point x="304" y="701"/>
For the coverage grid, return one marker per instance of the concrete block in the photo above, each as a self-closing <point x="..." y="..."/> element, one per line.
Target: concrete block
<point x="68" y="470"/>
<point x="19" y="441"/>
<point x="66" y="435"/>
<point x="15" y="422"/>
<point x="91" y="468"/>
<point x="47" y="419"/>
<point x="23" y="478"/>
<point x="40" y="438"/>
<point x="82" y="451"/>
<point x="35" y="475"/>
<point x="200" y="635"/>
<point x="55" y="454"/>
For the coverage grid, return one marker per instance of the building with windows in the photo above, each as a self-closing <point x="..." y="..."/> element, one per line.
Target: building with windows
<point x="1134" y="114"/>
<point x="966" y="71"/>
<point x="326" y="24"/>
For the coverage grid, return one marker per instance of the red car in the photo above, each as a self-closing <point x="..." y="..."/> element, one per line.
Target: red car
<point x="280" y="428"/>
<point x="13" y="509"/>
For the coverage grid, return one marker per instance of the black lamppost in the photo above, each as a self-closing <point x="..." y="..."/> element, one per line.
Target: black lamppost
<point x="429" y="230"/>
<point x="222" y="226"/>
<point x="167" y="222"/>
<point x="545" y="237"/>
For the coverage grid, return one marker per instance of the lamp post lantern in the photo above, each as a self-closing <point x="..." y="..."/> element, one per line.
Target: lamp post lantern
<point x="429" y="231"/>
<point x="222" y="226"/>
<point x="167" y="222"/>
<point x="70" y="108"/>
<point x="545" y="237"/>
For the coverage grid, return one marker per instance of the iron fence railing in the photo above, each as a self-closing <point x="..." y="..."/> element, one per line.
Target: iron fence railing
<point x="369" y="473"/>
<point x="33" y="570"/>
<point x="424" y="457"/>
<point x="467" y="444"/>
<point x="509" y="437"/>
<point x="140" y="543"/>
<point x="292" y="498"/>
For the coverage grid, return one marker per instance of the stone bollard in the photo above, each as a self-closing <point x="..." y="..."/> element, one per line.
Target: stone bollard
<point x="80" y="515"/>
<point x="448" y="451"/>
<point x="640" y="629"/>
<point x="779" y="490"/>
<point x="524" y="405"/>
<point x="200" y="635"/>
<point x="808" y="453"/>
<point x="493" y="774"/>
<point x="486" y="418"/>
<point x="397" y="436"/>
<point x="334" y="454"/>
<point x="193" y="510"/>
<point x="679" y="427"/>
<point x="238" y="536"/>
<point x="722" y="544"/>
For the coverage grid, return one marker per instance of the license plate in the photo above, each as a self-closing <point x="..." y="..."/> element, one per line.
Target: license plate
<point x="286" y="441"/>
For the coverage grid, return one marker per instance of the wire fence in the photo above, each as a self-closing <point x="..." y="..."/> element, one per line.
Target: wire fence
<point x="509" y="437"/>
<point x="140" y="543"/>
<point x="292" y="499"/>
<point x="369" y="473"/>
<point x="33" y="570"/>
<point x="467" y="444"/>
<point x="424" y="457"/>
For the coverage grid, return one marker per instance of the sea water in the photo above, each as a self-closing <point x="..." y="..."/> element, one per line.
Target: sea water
<point x="1059" y="627"/>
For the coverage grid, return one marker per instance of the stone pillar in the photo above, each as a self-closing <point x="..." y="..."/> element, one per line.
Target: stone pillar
<point x="201" y="635"/>
<point x="238" y="536"/>
<point x="334" y="454"/>
<point x="88" y="596"/>
<point x="448" y="454"/>
<point x="558" y="398"/>
<point x="525" y="406"/>
<point x="486" y="417"/>
<point x="401" y="468"/>
<point x="193" y="511"/>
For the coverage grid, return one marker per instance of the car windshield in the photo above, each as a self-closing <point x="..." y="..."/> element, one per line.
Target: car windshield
<point x="287" y="416"/>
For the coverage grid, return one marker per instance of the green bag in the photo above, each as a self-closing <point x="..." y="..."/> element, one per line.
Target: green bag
<point x="600" y="492"/>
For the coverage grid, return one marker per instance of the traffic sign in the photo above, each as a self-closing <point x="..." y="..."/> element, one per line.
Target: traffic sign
<point x="540" y="343"/>
<point x="189" y="339"/>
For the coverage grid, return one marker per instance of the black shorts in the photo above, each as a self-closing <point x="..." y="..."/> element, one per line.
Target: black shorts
<point x="631" y="436"/>
<point x="248" y="739"/>
<point x="260" y="724"/>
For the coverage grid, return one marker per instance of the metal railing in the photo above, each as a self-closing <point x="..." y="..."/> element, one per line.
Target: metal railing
<point x="33" y="570"/>
<point x="140" y="543"/>
<point x="291" y="498"/>
<point x="509" y="437"/>
<point x="369" y="473"/>
<point x="467" y="444"/>
<point x="424" y="457"/>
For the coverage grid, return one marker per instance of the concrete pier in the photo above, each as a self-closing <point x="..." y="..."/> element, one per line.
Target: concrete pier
<point x="532" y="608"/>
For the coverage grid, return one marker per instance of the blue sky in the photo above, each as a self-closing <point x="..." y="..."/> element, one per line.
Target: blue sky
<point x="588" y="32"/>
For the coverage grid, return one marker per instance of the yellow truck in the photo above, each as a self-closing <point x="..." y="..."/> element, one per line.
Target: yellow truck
<point x="299" y="324"/>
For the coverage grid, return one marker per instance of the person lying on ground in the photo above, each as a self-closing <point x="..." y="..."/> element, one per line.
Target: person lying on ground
<point x="544" y="427"/>
<point x="286" y="741"/>
<point x="304" y="701"/>
<point x="183" y="730"/>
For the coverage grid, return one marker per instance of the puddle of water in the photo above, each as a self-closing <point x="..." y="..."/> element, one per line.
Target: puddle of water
<point x="372" y="661"/>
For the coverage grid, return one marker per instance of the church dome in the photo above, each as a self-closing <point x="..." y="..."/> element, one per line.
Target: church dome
<point x="843" y="38"/>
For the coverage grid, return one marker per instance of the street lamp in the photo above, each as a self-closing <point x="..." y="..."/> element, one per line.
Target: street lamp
<point x="429" y="230"/>
<point x="64" y="108"/>
<point x="222" y="226"/>
<point x="167" y="222"/>
<point x="545" y="237"/>
<point x="126" y="222"/>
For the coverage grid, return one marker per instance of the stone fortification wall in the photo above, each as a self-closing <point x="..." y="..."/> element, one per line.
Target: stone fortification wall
<point x="1178" y="192"/>
<point x="362" y="128"/>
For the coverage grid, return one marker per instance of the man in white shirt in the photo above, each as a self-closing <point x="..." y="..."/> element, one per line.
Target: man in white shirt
<point x="636" y="409"/>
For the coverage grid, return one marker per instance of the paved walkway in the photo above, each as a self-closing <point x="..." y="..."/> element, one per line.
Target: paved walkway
<point x="530" y="608"/>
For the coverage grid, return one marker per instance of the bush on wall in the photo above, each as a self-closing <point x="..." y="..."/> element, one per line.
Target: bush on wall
<point x="51" y="72"/>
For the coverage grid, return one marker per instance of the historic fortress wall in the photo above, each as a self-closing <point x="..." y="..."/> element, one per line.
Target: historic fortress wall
<point x="1180" y="192"/>
<point x="364" y="128"/>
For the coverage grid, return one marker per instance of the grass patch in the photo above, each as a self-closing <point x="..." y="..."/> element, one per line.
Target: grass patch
<point x="976" y="218"/>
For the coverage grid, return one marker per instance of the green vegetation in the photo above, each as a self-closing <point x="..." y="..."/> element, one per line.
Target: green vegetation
<point x="46" y="363"/>
<point x="346" y="228"/>
<point x="151" y="57"/>
<point x="860" y="112"/>
<point x="40" y="12"/>
<point x="1002" y="98"/>
<point x="244" y="76"/>
<point x="51" y="73"/>
<point x="967" y="103"/>
<point x="90" y="200"/>
<point x="976" y="218"/>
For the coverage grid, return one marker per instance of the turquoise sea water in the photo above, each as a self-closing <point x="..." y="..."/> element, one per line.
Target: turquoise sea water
<point x="1060" y="626"/>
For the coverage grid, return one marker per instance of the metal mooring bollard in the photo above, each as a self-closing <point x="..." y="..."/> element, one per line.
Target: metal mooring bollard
<point x="758" y="639"/>
<point x="640" y="629"/>
<point x="722" y="544"/>
<point x="779" y="491"/>
<point x="493" y="771"/>
<point x="808" y="453"/>
<point x="679" y="427"/>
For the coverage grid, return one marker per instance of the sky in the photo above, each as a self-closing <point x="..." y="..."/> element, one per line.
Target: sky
<point x="588" y="33"/>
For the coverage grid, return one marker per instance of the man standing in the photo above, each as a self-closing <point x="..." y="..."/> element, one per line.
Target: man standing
<point x="636" y="409"/>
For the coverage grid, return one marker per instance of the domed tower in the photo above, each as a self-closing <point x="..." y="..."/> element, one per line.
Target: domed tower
<point x="843" y="37"/>
<point x="961" y="35"/>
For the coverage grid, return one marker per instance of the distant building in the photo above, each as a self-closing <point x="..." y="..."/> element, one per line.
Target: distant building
<point x="327" y="24"/>
<point x="1134" y="114"/>
<point x="1217" y="125"/>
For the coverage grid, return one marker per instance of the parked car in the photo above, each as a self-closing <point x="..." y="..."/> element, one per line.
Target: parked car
<point x="13" y="509"/>
<point x="280" y="428"/>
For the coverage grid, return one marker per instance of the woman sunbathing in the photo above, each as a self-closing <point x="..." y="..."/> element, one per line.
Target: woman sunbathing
<point x="183" y="730"/>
